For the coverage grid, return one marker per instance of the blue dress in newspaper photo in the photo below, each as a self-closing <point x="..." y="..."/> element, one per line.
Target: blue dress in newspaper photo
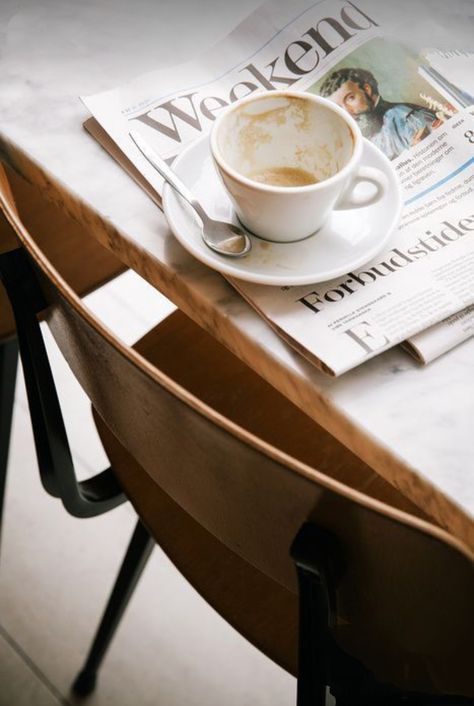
<point x="380" y="87"/>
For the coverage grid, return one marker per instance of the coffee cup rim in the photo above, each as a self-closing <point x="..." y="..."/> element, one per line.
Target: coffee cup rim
<point x="272" y="188"/>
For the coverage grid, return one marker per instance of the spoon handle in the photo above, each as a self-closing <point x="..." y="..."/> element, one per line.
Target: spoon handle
<point x="168" y="175"/>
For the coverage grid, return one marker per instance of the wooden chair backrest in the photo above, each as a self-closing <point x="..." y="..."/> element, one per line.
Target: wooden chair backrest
<point x="407" y="585"/>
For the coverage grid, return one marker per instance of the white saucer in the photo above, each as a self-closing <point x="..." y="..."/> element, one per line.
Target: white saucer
<point x="347" y="241"/>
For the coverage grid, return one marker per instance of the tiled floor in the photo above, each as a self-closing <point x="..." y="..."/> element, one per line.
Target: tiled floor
<point x="55" y="572"/>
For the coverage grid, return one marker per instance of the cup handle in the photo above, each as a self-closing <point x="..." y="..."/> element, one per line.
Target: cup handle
<point x="364" y="175"/>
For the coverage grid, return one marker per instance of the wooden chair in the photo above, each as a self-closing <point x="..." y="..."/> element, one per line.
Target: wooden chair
<point x="261" y="511"/>
<point x="67" y="246"/>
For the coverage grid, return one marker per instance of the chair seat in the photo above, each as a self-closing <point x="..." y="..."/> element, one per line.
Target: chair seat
<point x="245" y="597"/>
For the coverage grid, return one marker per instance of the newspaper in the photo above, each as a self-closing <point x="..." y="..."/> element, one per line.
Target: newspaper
<point x="416" y="108"/>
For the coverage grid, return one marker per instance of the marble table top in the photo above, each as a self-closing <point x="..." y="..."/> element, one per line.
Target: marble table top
<point x="414" y="425"/>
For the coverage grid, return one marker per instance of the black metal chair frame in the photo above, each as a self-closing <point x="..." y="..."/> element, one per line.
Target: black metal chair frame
<point x="317" y="557"/>
<point x="322" y="663"/>
<point x="82" y="499"/>
<point x="88" y="498"/>
<point x="8" y="373"/>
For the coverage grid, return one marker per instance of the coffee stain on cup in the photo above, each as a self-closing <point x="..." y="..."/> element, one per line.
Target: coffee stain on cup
<point x="283" y="176"/>
<point x="253" y="129"/>
<point x="251" y="137"/>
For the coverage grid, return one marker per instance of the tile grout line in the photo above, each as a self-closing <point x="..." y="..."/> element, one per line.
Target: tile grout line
<point x="33" y="667"/>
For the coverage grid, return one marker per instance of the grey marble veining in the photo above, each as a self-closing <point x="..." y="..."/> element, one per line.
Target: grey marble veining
<point x="417" y="421"/>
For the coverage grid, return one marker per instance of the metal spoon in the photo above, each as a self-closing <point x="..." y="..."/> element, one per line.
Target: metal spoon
<point x="222" y="237"/>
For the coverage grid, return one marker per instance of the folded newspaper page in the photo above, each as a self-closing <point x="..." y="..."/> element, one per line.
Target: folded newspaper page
<point x="416" y="108"/>
<point x="434" y="341"/>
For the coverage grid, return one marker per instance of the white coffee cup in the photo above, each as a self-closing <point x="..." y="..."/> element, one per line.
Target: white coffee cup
<point x="285" y="136"/>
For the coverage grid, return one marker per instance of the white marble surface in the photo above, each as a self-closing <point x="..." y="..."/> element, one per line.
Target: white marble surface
<point x="415" y="425"/>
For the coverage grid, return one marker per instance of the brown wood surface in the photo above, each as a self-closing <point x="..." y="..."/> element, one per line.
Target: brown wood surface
<point x="261" y="608"/>
<point x="157" y="267"/>
<point x="404" y="601"/>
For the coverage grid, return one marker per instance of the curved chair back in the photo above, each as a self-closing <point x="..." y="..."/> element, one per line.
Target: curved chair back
<point x="403" y="588"/>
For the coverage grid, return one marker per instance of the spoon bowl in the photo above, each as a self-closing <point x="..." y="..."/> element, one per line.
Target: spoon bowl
<point x="222" y="237"/>
<point x="225" y="238"/>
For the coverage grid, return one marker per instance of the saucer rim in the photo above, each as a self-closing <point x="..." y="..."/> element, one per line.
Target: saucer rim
<point x="225" y="266"/>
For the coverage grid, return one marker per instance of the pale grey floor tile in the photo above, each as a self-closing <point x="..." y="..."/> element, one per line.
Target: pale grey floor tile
<point x="122" y="319"/>
<point x="174" y="649"/>
<point x="171" y="648"/>
<point x="139" y="296"/>
<point x="19" y="685"/>
<point x="55" y="570"/>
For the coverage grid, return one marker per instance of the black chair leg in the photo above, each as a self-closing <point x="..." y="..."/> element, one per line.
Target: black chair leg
<point x="138" y="552"/>
<point x="8" y="368"/>
<point x="322" y="663"/>
<point x="313" y="552"/>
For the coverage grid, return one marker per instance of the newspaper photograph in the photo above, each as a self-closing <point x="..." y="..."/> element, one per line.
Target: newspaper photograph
<point x="380" y="87"/>
<point x="416" y="108"/>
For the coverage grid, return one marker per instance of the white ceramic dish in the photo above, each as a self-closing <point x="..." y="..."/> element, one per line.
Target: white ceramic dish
<point x="347" y="241"/>
<point x="297" y="131"/>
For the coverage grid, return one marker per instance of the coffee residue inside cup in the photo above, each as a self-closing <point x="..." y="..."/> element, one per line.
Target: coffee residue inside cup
<point x="283" y="176"/>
